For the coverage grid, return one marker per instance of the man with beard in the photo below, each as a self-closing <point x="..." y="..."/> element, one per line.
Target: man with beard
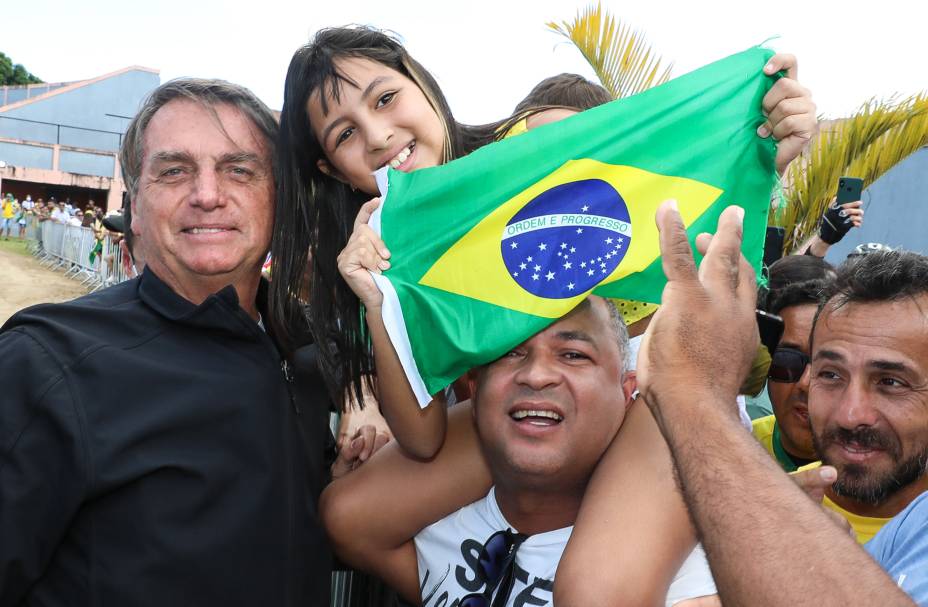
<point x="868" y="387"/>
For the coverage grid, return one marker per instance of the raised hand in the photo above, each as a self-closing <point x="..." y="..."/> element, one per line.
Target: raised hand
<point x="790" y="111"/>
<point x="365" y="252"/>
<point x="701" y="341"/>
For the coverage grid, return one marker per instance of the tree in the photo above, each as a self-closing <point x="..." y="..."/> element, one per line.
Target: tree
<point x="14" y="74"/>
<point x="620" y="56"/>
<point x="865" y="145"/>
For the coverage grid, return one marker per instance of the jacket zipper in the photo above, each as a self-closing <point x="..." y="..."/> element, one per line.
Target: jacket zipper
<point x="288" y="376"/>
<point x="291" y="489"/>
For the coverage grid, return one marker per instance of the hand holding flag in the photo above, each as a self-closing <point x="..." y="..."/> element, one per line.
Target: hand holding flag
<point x="457" y="294"/>
<point x="790" y="111"/>
<point x="364" y="253"/>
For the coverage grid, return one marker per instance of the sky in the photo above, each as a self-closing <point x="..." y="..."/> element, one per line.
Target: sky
<point x="485" y="54"/>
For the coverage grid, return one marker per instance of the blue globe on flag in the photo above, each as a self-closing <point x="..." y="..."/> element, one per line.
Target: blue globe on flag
<point x="567" y="239"/>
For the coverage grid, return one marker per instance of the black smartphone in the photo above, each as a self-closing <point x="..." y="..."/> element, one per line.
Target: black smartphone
<point x="773" y="245"/>
<point x="849" y="189"/>
<point x="770" y="327"/>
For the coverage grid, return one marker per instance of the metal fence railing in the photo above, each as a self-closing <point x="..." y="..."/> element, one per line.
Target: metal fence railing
<point x="65" y="247"/>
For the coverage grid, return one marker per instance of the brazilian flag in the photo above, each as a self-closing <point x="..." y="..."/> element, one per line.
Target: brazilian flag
<point x="492" y="248"/>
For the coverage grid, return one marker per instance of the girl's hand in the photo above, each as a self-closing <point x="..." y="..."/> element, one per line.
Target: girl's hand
<point x="353" y="418"/>
<point x="358" y="450"/>
<point x="790" y="111"/>
<point x="364" y="252"/>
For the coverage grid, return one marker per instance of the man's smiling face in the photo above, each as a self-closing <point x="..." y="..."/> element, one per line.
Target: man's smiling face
<point x="547" y="410"/>
<point x="204" y="205"/>
<point x="868" y="395"/>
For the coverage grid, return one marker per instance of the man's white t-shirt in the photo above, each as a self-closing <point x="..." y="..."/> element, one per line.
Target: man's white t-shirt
<point x="448" y="553"/>
<point x="634" y="344"/>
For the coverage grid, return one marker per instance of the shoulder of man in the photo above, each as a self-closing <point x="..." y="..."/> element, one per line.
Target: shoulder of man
<point x="901" y="548"/>
<point x="475" y="517"/>
<point x="68" y="330"/>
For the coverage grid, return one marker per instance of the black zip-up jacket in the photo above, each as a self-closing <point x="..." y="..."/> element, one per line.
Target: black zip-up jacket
<point x="154" y="452"/>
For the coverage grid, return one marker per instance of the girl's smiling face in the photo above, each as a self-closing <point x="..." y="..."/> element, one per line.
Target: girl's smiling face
<point x="381" y="118"/>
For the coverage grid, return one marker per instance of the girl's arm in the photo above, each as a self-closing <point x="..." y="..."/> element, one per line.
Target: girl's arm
<point x="419" y="431"/>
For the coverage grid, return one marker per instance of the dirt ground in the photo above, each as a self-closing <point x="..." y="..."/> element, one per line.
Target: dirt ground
<point x="23" y="282"/>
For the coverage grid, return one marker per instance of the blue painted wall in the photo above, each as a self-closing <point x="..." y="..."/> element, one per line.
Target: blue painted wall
<point x="86" y="108"/>
<point x="28" y="131"/>
<point x="86" y="164"/>
<point x="894" y="210"/>
<point x="26" y="155"/>
<point x="12" y="94"/>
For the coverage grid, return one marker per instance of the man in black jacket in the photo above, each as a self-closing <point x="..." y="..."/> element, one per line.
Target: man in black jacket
<point x="155" y="446"/>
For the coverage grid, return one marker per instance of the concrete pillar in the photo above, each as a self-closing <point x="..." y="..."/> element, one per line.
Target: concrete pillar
<point x="117" y="187"/>
<point x="114" y="195"/>
<point x="56" y="152"/>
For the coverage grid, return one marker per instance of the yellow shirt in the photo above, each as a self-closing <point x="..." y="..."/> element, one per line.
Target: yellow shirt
<point x="865" y="527"/>
<point x="762" y="429"/>
<point x="767" y="433"/>
<point x="7" y="209"/>
<point x="517" y="129"/>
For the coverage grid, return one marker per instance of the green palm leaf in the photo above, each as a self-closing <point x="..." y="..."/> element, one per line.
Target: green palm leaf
<point x="620" y="56"/>
<point x="866" y="145"/>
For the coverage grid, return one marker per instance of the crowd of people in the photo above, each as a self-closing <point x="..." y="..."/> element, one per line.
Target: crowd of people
<point x="17" y="214"/>
<point x="167" y="440"/>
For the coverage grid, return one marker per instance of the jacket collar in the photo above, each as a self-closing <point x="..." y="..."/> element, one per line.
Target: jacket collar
<point x="219" y="311"/>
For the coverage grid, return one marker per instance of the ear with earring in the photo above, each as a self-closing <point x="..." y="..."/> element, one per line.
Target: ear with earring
<point x="328" y="170"/>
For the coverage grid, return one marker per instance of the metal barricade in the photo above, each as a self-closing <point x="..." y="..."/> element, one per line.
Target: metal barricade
<point x="112" y="271"/>
<point x="67" y="247"/>
<point x="53" y="239"/>
<point x="33" y="234"/>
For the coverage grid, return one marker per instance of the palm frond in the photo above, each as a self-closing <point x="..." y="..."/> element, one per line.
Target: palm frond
<point x="620" y="56"/>
<point x="866" y="145"/>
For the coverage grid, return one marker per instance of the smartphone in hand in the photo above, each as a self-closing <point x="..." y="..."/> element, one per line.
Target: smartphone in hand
<point x="849" y="189"/>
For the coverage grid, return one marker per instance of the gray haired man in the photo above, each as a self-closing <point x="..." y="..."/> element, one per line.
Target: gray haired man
<point x="155" y="446"/>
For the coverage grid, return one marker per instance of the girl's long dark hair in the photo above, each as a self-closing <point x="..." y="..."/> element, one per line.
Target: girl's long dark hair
<point x="315" y="213"/>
